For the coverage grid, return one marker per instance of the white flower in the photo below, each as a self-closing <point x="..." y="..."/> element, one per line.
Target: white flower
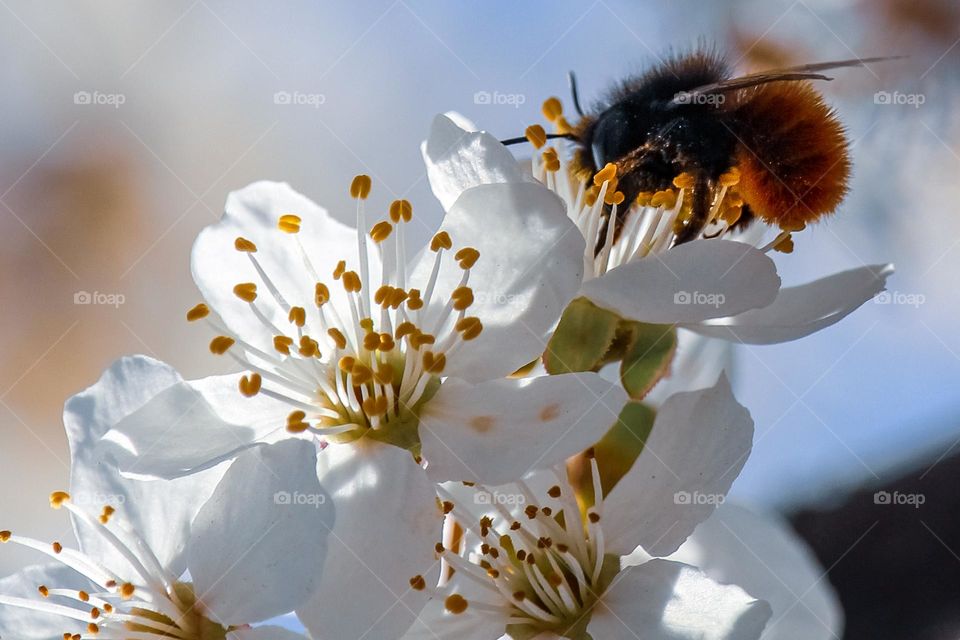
<point x="375" y="355"/>
<point x="528" y="561"/>
<point x="198" y="558"/>
<point x="723" y="288"/>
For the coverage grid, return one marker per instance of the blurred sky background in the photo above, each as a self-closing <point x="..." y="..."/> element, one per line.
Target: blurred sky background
<point x="108" y="197"/>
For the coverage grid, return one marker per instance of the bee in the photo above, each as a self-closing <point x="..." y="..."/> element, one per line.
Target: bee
<point x="690" y="115"/>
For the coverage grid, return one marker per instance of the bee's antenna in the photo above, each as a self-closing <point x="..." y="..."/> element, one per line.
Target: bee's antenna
<point x="550" y="136"/>
<point x="572" y="79"/>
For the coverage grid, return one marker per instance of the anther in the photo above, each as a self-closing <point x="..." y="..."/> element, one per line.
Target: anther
<point x="551" y="161"/>
<point x="401" y="210"/>
<point x="198" y="312"/>
<point x="220" y="344"/>
<point x="552" y="108"/>
<point x="57" y="498"/>
<point x="250" y="385"/>
<point x="244" y="245"/>
<point x="462" y="298"/>
<point x="246" y="291"/>
<point x="352" y="282"/>
<point x="289" y="223"/>
<point x="44" y="591"/>
<point x="283" y="344"/>
<point x="321" y="294"/>
<point x="434" y="363"/>
<point x="469" y="327"/>
<point x="338" y="338"/>
<point x="417" y="583"/>
<point x="536" y="135"/>
<point x="455" y="604"/>
<point x="684" y="181"/>
<point x="295" y="423"/>
<point x="381" y="231"/>
<point x="360" y="187"/>
<point x="126" y="591"/>
<point x="609" y="172"/>
<point x="309" y="348"/>
<point x="441" y="241"/>
<point x="467" y="257"/>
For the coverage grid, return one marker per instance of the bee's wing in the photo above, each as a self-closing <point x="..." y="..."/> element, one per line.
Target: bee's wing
<point x="801" y="72"/>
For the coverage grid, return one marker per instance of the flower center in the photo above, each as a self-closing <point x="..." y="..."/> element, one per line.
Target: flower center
<point x="364" y="362"/>
<point x="618" y="232"/>
<point x="545" y="569"/>
<point x="153" y="604"/>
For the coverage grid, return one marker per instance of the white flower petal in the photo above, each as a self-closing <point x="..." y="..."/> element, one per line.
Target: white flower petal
<point x="699" y="442"/>
<point x="159" y="511"/>
<point x="265" y="633"/>
<point x="192" y="425"/>
<point x="387" y="524"/>
<point x="252" y="213"/>
<point x="762" y="554"/>
<point x="663" y="600"/>
<point x="24" y="624"/>
<point x="689" y="283"/>
<point x="529" y="269"/>
<point x="458" y="158"/>
<point x="435" y="622"/>
<point x="800" y="311"/>
<point x="259" y="543"/>
<point x="497" y="431"/>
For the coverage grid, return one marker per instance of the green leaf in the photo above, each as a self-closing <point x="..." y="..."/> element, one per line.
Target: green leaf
<point x="648" y="358"/>
<point x="582" y="338"/>
<point x="615" y="452"/>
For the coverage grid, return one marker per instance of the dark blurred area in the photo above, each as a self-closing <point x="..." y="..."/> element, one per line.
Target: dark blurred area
<point x="889" y="552"/>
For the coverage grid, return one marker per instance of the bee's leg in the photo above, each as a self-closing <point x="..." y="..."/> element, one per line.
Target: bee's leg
<point x="701" y="209"/>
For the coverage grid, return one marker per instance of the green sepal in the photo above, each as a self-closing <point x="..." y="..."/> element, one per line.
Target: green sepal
<point x="582" y="339"/>
<point x="648" y="358"/>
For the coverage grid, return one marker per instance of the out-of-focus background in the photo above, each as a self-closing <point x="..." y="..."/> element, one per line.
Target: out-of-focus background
<point x="124" y="126"/>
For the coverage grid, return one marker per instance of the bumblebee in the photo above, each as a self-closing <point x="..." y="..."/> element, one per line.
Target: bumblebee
<point x="689" y="115"/>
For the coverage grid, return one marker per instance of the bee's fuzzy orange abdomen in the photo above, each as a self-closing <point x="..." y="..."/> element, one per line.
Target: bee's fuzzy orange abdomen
<point x="792" y="154"/>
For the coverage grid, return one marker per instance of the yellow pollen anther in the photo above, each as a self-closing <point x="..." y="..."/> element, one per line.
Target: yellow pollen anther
<point x="295" y="423"/>
<point x="92" y="628"/>
<point x="366" y="324"/>
<point x="441" y="241"/>
<point x="371" y="341"/>
<point x="684" y="181"/>
<point x="551" y="161"/>
<point x="246" y="291"/>
<point x="250" y="385"/>
<point x="44" y="591"/>
<point x="57" y="547"/>
<point x="401" y="210"/>
<point x="198" y="312"/>
<point x="352" y="282"/>
<point x="434" y="363"/>
<point x="57" y="498"/>
<point x="404" y="329"/>
<point x="244" y="245"/>
<point x="283" y="344"/>
<point x="386" y="342"/>
<point x="5" y="536"/>
<point x="417" y="583"/>
<point x="220" y="344"/>
<point x="462" y="298"/>
<point x="84" y="596"/>
<point x="106" y="513"/>
<point x="731" y="214"/>
<point x="360" y="187"/>
<point x="800" y="226"/>
<point x="309" y="348"/>
<point x="784" y="244"/>
<point x="375" y="406"/>
<point x="730" y="178"/>
<point x="126" y="591"/>
<point x="298" y="316"/>
<point x="666" y="199"/>
<point x="289" y="223"/>
<point x="362" y="374"/>
<point x="321" y="294"/>
<point x="536" y="135"/>
<point x="384" y="374"/>
<point x="467" y="257"/>
<point x="562" y="126"/>
<point x="455" y="604"/>
<point x="381" y="231"/>
<point x="469" y="327"/>
<point x="383" y="295"/>
<point x="418" y="339"/>
<point x="346" y="363"/>
<point x="340" y="268"/>
<point x="615" y="197"/>
<point x="338" y="338"/>
<point x="414" y="301"/>
<point x="609" y="172"/>
<point x="552" y="108"/>
<point x="397" y="298"/>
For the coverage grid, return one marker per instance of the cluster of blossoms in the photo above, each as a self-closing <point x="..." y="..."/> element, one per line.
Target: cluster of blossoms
<point x="437" y="443"/>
